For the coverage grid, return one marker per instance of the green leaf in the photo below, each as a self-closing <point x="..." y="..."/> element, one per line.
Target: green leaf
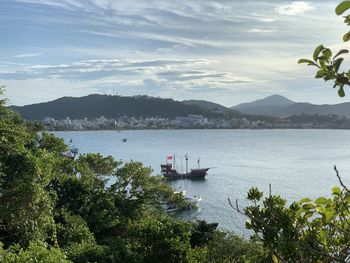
<point x="346" y="37"/>
<point x="321" y="200"/>
<point x="307" y="61"/>
<point x="336" y="190"/>
<point x="342" y="7"/>
<point x="330" y="68"/>
<point x="323" y="236"/>
<point x="329" y="215"/>
<point x="341" y="52"/>
<point x="275" y="259"/>
<point x="308" y="214"/>
<point x="303" y="60"/>
<point x="341" y="92"/>
<point x="324" y="62"/>
<point x="317" y="52"/>
<point x="347" y="20"/>
<point x="327" y="53"/>
<point x="337" y="63"/>
<point x="307" y="206"/>
<point x="347" y="199"/>
<point x="320" y="74"/>
<point x="305" y="200"/>
<point x="320" y="209"/>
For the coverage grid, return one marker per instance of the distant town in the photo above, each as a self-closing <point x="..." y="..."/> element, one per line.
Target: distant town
<point x="107" y="112"/>
<point x="194" y="121"/>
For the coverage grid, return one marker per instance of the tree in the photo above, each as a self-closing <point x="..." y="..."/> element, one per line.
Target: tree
<point x="228" y="247"/>
<point x="328" y="65"/>
<point x="305" y="231"/>
<point x="160" y="239"/>
<point x="202" y="233"/>
<point x="36" y="252"/>
<point x="93" y="208"/>
<point x="86" y="208"/>
<point x="25" y="205"/>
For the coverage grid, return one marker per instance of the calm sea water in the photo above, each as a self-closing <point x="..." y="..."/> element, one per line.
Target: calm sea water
<point x="297" y="163"/>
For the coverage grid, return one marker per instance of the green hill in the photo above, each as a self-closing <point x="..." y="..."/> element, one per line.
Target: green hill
<point x="93" y="106"/>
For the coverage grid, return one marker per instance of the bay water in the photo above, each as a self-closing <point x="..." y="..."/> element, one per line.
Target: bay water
<point x="297" y="163"/>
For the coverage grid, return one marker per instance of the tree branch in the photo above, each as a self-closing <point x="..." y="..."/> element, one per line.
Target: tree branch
<point x="340" y="180"/>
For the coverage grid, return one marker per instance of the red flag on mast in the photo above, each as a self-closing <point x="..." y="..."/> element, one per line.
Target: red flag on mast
<point x="170" y="157"/>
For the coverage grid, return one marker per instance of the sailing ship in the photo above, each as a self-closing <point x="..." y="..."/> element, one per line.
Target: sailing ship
<point x="169" y="171"/>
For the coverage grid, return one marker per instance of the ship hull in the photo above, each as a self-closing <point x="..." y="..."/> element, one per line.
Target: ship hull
<point x="169" y="173"/>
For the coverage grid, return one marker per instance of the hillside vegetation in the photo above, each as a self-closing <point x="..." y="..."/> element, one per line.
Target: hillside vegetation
<point x="109" y="106"/>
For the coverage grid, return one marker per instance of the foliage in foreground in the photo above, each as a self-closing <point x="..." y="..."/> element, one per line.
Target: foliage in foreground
<point x="36" y="252"/>
<point x="318" y="231"/>
<point x="329" y="65"/>
<point x="95" y="209"/>
<point x="92" y="208"/>
<point x="305" y="231"/>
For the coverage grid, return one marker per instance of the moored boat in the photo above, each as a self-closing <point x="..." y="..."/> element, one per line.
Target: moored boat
<point x="192" y="202"/>
<point x="169" y="171"/>
<point x="71" y="153"/>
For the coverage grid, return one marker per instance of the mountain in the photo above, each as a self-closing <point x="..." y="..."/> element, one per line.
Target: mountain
<point x="279" y="106"/>
<point x="342" y="109"/>
<point x="96" y="105"/>
<point x="266" y="106"/>
<point x="207" y="105"/>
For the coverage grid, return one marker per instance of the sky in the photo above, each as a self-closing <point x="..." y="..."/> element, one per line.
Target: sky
<point x="225" y="51"/>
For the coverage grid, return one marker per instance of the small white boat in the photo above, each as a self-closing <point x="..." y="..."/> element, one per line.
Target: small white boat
<point x="71" y="153"/>
<point x="193" y="202"/>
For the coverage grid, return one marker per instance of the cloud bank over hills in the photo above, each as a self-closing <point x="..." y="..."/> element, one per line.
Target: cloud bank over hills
<point x="229" y="51"/>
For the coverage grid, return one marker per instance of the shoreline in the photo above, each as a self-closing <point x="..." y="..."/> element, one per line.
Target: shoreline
<point x="187" y="129"/>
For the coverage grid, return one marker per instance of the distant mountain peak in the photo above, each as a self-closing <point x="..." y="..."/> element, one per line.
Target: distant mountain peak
<point x="279" y="106"/>
<point x="273" y="100"/>
<point x="277" y="99"/>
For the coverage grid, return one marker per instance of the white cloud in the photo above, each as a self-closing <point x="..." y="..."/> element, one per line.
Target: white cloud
<point x="295" y="8"/>
<point x="2" y="63"/>
<point x="266" y="19"/>
<point x="66" y="4"/>
<point x="255" y="45"/>
<point x="129" y="76"/>
<point x="257" y="30"/>
<point x="28" y="55"/>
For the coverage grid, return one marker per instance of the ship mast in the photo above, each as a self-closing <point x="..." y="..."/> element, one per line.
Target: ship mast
<point x="186" y="157"/>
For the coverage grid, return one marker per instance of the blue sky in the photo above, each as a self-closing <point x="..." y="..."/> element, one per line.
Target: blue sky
<point x="225" y="51"/>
